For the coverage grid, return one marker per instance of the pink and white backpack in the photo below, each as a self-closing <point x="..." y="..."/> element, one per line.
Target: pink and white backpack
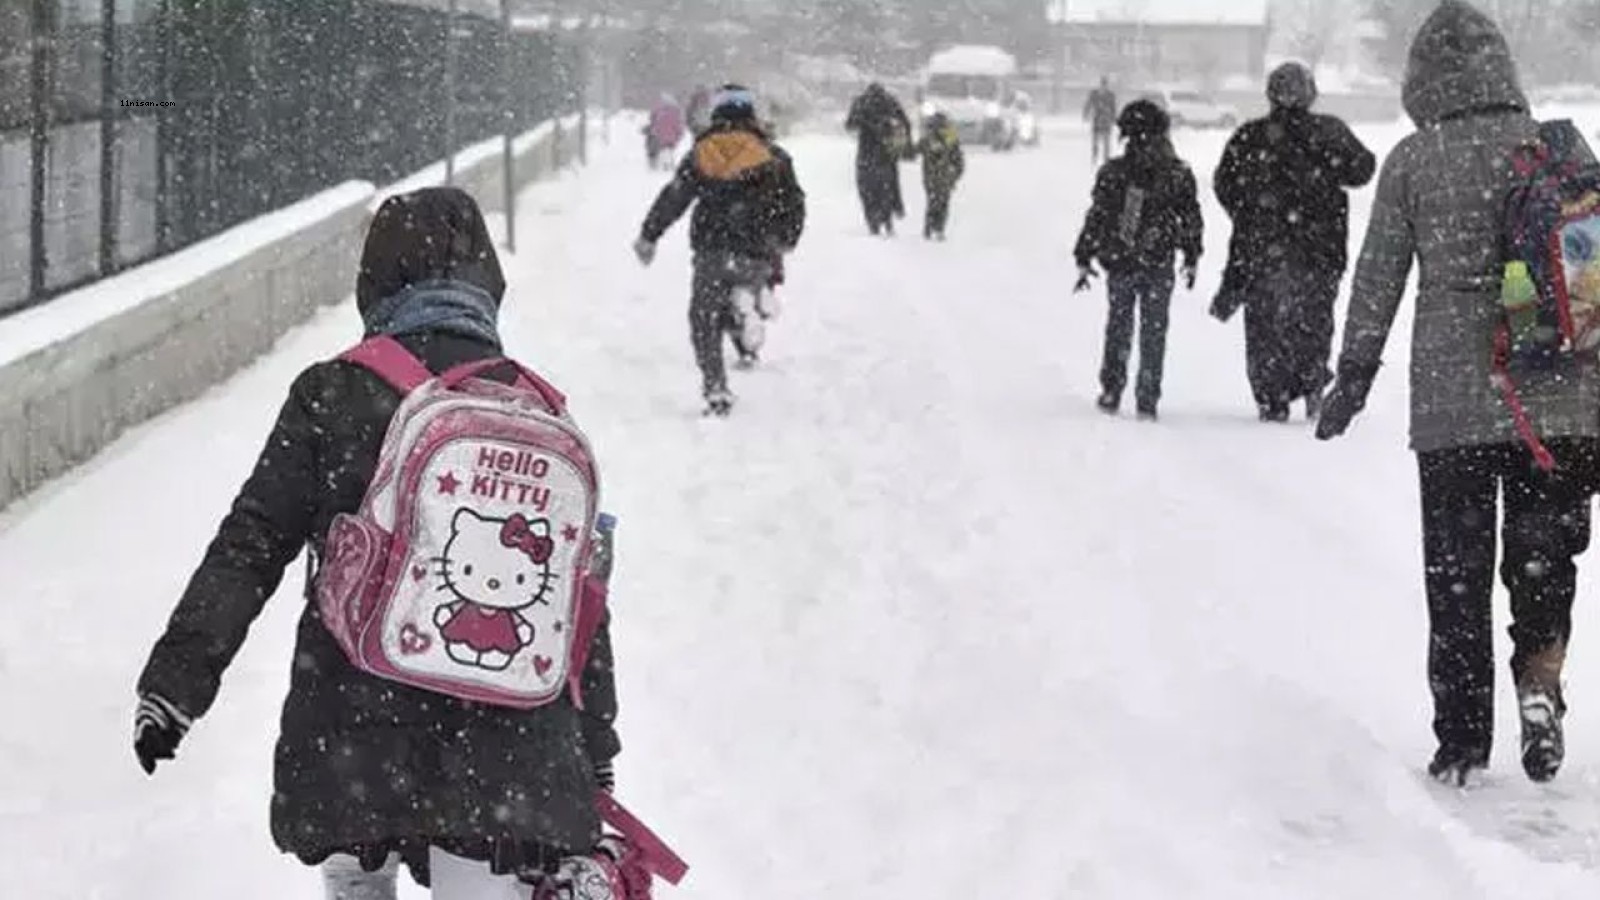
<point x="465" y="570"/>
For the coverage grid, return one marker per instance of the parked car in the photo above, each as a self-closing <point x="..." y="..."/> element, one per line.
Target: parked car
<point x="1194" y="109"/>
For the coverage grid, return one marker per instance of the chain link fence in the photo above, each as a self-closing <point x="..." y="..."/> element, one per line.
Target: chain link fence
<point x="133" y="128"/>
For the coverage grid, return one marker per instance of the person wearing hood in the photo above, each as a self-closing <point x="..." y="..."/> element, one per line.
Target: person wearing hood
<point x="1284" y="180"/>
<point x="1439" y="202"/>
<point x="749" y="213"/>
<point x="943" y="164"/>
<point x="368" y="772"/>
<point x="664" y="130"/>
<point x="1145" y="211"/>
<point x="883" y="138"/>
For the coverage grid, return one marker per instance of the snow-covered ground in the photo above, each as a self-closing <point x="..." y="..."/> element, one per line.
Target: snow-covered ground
<point x="915" y="622"/>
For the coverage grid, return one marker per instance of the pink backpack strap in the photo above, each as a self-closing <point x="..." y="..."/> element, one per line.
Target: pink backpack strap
<point x="658" y="857"/>
<point x="390" y="360"/>
<point x="586" y="624"/>
<point x="553" y="398"/>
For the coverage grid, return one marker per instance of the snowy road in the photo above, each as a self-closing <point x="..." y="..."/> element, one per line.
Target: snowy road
<point x="915" y="622"/>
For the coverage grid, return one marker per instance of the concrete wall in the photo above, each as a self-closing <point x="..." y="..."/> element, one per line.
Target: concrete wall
<point x="79" y="370"/>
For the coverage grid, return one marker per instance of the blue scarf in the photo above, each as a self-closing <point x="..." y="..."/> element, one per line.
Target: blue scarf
<point x="452" y="307"/>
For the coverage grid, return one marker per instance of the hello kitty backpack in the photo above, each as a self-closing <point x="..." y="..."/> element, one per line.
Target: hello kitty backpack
<point x="465" y="570"/>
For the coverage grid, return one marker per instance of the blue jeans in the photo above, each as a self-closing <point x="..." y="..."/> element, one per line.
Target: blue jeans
<point x="1149" y="291"/>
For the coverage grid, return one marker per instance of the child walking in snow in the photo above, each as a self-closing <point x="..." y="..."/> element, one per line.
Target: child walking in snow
<point x="943" y="164"/>
<point x="370" y="772"/>
<point x="749" y="212"/>
<point x="1146" y="209"/>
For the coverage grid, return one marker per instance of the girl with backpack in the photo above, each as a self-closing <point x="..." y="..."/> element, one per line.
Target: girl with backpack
<point x="371" y="772"/>
<point x="1441" y="200"/>
<point x="1146" y="210"/>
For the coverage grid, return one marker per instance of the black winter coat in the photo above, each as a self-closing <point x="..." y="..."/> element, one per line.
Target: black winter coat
<point x="1283" y="180"/>
<point x="1146" y="209"/>
<point x="750" y="203"/>
<point x="365" y="766"/>
<point x="943" y="162"/>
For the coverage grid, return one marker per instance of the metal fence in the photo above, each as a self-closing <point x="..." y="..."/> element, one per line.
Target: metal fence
<point x="132" y="128"/>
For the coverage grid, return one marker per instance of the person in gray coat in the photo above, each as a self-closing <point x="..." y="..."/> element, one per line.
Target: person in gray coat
<point x="1439" y="200"/>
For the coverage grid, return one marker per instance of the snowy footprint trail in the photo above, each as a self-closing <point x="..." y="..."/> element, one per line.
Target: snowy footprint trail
<point x="914" y="621"/>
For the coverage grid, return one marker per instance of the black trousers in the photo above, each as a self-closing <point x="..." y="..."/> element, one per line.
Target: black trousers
<point x="1100" y="146"/>
<point x="938" y="211"/>
<point x="712" y="312"/>
<point x="1288" y="332"/>
<point x="1149" y="292"/>
<point x="1545" y="525"/>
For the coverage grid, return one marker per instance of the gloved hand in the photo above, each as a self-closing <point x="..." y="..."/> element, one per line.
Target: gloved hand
<point x="1224" y="305"/>
<point x="1191" y="271"/>
<point x="645" y="249"/>
<point x="158" y="727"/>
<point x="605" y="776"/>
<point x="1086" y="275"/>
<point x="1346" y="400"/>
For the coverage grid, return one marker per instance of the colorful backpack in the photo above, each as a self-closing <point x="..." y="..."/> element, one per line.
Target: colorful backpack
<point x="465" y="570"/>
<point x="1550" y="287"/>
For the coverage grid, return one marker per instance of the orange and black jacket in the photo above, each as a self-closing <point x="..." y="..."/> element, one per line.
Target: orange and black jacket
<point x="749" y="201"/>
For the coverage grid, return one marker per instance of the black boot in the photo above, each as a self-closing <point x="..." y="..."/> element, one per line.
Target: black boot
<point x="1109" y="403"/>
<point x="1274" y="412"/>
<point x="1541" y="708"/>
<point x="1455" y="766"/>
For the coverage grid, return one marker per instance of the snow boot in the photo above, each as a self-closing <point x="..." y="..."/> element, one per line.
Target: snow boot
<point x="1109" y="403"/>
<point x="1147" y="413"/>
<point x="1456" y="766"/>
<point x="1274" y="413"/>
<point x="719" y="402"/>
<point x="1541" y="708"/>
<point x="1313" y="406"/>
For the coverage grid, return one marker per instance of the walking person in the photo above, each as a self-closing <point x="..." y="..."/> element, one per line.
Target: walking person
<point x="943" y="164"/>
<point x="1440" y="199"/>
<point x="883" y="139"/>
<point x="1284" y="180"/>
<point x="749" y="213"/>
<point x="664" y="130"/>
<point x="371" y="773"/>
<point x="1145" y="211"/>
<point x="1100" y="111"/>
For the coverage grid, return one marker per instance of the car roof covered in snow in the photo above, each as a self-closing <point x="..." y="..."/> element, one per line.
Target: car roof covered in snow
<point x="972" y="60"/>
<point x="1161" y="12"/>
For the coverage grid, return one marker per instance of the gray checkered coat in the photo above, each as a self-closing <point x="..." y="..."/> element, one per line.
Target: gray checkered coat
<point x="1439" y="199"/>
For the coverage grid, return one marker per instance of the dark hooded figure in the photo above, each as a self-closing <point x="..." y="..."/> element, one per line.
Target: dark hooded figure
<point x="1145" y="211"/>
<point x="1100" y="111"/>
<point x="1283" y="180"/>
<point x="370" y="771"/>
<point x="1439" y="202"/>
<point x="749" y="212"/>
<point x="883" y="138"/>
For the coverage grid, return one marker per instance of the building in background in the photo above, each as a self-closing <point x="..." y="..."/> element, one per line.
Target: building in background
<point x="1161" y="41"/>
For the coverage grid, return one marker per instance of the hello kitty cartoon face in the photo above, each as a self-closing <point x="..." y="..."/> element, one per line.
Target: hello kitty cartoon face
<point x="498" y="563"/>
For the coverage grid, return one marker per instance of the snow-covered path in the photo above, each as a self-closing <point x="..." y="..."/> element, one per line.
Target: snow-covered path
<point x="915" y="622"/>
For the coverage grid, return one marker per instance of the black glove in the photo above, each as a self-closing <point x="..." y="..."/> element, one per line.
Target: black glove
<point x="1191" y="270"/>
<point x="158" y="727"/>
<point x="1346" y="400"/>
<point x="605" y="776"/>
<point x="1224" y="306"/>
<point x="1086" y="274"/>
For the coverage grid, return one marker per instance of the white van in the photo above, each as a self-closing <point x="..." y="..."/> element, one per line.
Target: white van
<point x="973" y="86"/>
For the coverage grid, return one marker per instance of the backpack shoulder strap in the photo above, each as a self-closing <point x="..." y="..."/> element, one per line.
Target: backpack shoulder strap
<point x="390" y="360"/>
<point x="658" y="858"/>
